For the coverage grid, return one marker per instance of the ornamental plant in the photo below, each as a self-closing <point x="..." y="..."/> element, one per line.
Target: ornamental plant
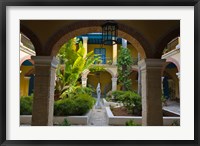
<point x="130" y="99"/>
<point x="124" y="68"/>
<point x="73" y="62"/>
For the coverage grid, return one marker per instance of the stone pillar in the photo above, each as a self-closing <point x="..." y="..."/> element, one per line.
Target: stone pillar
<point x="151" y="91"/>
<point x="124" y="43"/>
<point x="114" y="83"/>
<point x="84" y="82"/>
<point x="178" y="75"/>
<point x="162" y="78"/>
<point x="43" y="101"/>
<point x="115" y="54"/>
<point x="85" y="40"/>
<point x="139" y="77"/>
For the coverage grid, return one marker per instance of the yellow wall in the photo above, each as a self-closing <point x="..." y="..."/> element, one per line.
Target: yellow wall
<point x="105" y="80"/>
<point x="24" y="82"/>
<point x="109" y="49"/>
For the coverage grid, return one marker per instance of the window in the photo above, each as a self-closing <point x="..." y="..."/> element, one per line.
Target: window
<point x="102" y="53"/>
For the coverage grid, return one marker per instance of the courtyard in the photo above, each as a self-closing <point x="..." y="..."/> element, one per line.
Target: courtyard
<point x="63" y="61"/>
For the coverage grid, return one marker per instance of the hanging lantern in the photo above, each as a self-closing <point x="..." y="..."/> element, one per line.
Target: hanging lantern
<point x="109" y="33"/>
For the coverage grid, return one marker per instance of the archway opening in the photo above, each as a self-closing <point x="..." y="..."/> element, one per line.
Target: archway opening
<point x="26" y="78"/>
<point x="102" y="77"/>
<point x="171" y="83"/>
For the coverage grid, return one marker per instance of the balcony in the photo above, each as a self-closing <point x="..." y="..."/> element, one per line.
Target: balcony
<point x="174" y="44"/>
<point x="108" y="61"/>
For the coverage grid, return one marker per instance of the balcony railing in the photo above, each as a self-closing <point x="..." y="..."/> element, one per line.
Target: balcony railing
<point x="171" y="45"/>
<point x="109" y="61"/>
<point x="105" y="60"/>
<point x="26" y="42"/>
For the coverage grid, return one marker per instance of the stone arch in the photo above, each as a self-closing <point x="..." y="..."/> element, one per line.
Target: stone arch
<point x="88" y="26"/>
<point x="28" y="57"/>
<point x="170" y="81"/>
<point x="87" y="71"/>
<point x="33" y="38"/>
<point x="171" y="60"/>
<point x="165" y="40"/>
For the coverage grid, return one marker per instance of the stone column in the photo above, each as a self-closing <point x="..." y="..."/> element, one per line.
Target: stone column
<point x="43" y="101"/>
<point x="114" y="83"/>
<point x="114" y="54"/>
<point x="151" y="91"/>
<point x="124" y="43"/>
<point x="85" y="40"/>
<point x="178" y="75"/>
<point x="139" y="77"/>
<point x="84" y="82"/>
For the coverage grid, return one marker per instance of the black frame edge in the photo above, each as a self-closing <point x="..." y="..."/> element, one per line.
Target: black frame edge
<point x="196" y="72"/>
<point x="3" y="74"/>
<point x="3" y="4"/>
<point x="101" y="2"/>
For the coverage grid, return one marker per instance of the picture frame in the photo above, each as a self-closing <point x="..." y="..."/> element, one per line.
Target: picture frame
<point x="3" y="74"/>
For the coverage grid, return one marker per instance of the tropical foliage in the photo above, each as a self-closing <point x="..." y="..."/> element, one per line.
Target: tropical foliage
<point x="124" y="68"/>
<point x="130" y="99"/>
<point x="73" y="62"/>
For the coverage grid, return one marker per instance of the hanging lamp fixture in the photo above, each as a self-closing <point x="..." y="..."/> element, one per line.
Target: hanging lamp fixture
<point x="109" y="33"/>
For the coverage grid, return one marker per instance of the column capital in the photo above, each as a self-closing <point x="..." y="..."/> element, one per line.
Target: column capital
<point x="85" y="38"/>
<point x="151" y="63"/>
<point x="27" y="77"/>
<point x="84" y="79"/>
<point x="45" y="61"/>
<point x="178" y="75"/>
<point x="114" y="79"/>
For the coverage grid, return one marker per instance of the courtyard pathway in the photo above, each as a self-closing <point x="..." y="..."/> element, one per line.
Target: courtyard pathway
<point x="98" y="117"/>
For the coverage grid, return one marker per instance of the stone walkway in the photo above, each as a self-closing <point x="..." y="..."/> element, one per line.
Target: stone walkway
<point x="172" y="106"/>
<point x="98" y="117"/>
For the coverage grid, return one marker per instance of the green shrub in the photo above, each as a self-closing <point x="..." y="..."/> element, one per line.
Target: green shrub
<point x="83" y="103"/>
<point x="65" y="123"/>
<point x="77" y="105"/>
<point x="83" y="90"/>
<point x="132" y="123"/>
<point x="175" y="123"/>
<point x="64" y="107"/>
<point x="26" y="103"/>
<point x="131" y="100"/>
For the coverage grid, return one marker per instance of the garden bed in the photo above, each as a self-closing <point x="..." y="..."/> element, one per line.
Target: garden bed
<point x="121" y="120"/>
<point x="121" y="111"/>
<point x="74" y="120"/>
